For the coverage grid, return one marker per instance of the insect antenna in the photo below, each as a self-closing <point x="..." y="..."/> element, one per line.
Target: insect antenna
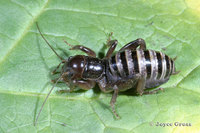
<point x="46" y="100"/>
<point x="48" y="42"/>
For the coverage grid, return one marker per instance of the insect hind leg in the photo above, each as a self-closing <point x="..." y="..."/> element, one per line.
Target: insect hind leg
<point x="134" y="44"/>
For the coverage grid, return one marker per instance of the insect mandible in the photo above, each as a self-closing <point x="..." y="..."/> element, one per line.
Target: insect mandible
<point x="133" y="66"/>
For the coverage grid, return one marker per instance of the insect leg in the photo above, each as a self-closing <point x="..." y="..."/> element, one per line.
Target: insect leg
<point x="54" y="71"/>
<point x="109" y="37"/>
<point x="112" y="44"/>
<point x="54" y="80"/>
<point x="177" y="72"/>
<point x="134" y="44"/>
<point x="113" y="101"/>
<point x="88" y="51"/>
<point x="83" y="84"/>
<point x="141" y="85"/>
<point x="67" y="91"/>
<point x="153" y="91"/>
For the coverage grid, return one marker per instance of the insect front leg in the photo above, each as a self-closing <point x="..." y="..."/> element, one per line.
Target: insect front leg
<point x="55" y="70"/>
<point x="83" y="84"/>
<point x="134" y="44"/>
<point x="86" y="50"/>
<point x="113" y="101"/>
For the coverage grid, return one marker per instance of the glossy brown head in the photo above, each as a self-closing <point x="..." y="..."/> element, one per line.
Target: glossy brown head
<point x="73" y="68"/>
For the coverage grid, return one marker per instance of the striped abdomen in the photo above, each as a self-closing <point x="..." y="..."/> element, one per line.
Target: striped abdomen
<point x="155" y="66"/>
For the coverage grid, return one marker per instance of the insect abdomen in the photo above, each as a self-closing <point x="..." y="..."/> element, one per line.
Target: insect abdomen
<point x="155" y="66"/>
<point x="161" y="68"/>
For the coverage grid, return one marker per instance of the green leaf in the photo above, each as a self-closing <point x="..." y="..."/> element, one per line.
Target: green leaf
<point x="26" y="62"/>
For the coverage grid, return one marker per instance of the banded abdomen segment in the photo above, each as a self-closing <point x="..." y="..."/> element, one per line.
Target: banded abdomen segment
<point x="155" y="66"/>
<point x="161" y="68"/>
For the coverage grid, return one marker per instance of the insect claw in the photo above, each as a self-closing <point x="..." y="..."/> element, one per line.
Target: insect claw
<point x="54" y="72"/>
<point x="68" y="44"/>
<point x="174" y="58"/>
<point x="116" y="116"/>
<point x="54" y="80"/>
<point x="162" y="89"/>
<point x="164" y="48"/>
<point x="109" y="37"/>
<point x="64" y="91"/>
<point x="154" y="91"/>
<point x="176" y="72"/>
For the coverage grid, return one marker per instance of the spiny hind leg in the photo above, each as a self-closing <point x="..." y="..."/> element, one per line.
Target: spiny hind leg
<point x="86" y="50"/>
<point x="134" y="44"/>
<point x="113" y="101"/>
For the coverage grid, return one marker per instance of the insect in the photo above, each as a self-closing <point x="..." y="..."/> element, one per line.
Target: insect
<point x="133" y="66"/>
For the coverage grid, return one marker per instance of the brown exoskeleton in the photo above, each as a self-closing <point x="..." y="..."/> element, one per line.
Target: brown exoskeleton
<point x="133" y="66"/>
